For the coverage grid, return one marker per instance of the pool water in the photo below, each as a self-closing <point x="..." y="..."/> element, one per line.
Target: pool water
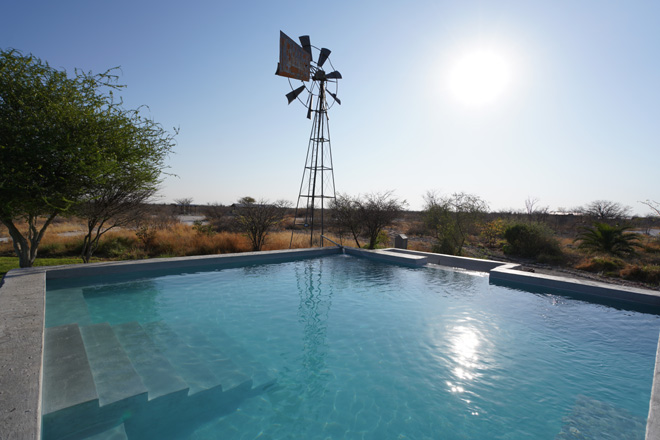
<point x="365" y="350"/>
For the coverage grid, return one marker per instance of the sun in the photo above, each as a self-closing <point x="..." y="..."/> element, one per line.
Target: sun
<point x="479" y="78"/>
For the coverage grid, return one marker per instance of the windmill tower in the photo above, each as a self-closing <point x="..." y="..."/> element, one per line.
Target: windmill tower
<point x="305" y="63"/>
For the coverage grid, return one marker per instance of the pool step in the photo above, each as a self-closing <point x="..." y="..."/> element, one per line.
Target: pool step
<point x="113" y="372"/>
<point x="157" y="373"/>
<point x="243" y="359"/>
<point x="66" y="306"/>
<point x="195" y="371"/>
<point x="229" y="374"/>
<point x="67" y="368"/>
<point x="135" y="380"/>
<point x="116" y="433"/>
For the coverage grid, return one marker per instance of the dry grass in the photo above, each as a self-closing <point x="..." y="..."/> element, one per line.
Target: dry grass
<point x="170" y="238"/>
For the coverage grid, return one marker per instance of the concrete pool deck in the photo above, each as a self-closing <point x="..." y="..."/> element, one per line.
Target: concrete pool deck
<point x="22" y="314"/>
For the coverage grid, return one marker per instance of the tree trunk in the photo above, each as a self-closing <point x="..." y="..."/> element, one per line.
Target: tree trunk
<point x="26" y="247"/>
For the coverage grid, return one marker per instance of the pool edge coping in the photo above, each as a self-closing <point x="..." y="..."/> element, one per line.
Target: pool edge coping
<point x="22" y="315"/>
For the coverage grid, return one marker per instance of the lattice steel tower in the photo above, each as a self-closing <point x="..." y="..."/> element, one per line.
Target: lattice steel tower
<point x="318" y="181"/>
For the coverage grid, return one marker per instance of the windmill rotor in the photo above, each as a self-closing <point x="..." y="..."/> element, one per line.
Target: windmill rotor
<point x="316" y="59"/>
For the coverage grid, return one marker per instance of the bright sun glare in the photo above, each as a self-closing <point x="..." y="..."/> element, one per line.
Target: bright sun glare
<point x="479" y="78"/>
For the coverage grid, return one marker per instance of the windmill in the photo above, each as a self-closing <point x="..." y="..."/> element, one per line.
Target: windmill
<point x="308" y="64"/>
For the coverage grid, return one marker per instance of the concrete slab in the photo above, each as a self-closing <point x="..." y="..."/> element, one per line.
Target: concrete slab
<point x="21" y="343"/>
<point x="387" y="256"/>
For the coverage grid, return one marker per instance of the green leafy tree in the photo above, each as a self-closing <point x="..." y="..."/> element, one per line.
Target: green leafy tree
<point x="135" y="149"/>
<point x="54" y="144"/>
<point x="611" y="239"/>
<point x="48" y="153"/>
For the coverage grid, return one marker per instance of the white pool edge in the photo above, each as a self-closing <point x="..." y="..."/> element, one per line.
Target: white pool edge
<point x="22" y="315"/>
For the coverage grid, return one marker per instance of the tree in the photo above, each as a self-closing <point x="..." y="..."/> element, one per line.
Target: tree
<point x="346" y="215"/>
<point x="370" y="214"/>
<point x="48" y="149"/>
<point x="376" y="211"/>
<point x="256" y="219"/>
<point x="55" y="132"/>
<point x="655" y="206"/>
<point x="606" y="210"/>
<point x="137" y="148"/>
<point x="452" y="218"/>
<point x="247" y="200"/>
<point x="184" y="205"/>
<point x="602" y="237"/>
<point x="535" y="213"/>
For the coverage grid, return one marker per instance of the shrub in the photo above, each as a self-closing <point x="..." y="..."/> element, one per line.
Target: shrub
<point x="613" y="240"/>
<point x="147" y="235"/>
<point x="531" y="241"/>
<point x="605" y="265"/>
<point x="203" y="229"/>
<point x="382" y="240"/>
<point x="115" y="246"/>
<point x="444" y="246"/>
<point x="493" y="231"/>
<point x="645" y="274"/>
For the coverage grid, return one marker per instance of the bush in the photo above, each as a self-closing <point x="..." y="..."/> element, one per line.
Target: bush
<point x="382" y="240"/>
<point x="614" y="240"/>
<point x="531" y="241"/>
<point x="605" y="265"/>
<point x="115" y="246"/>
<point x="493" y="231"/>
<point x="203" y="229"/>
<point x="645" y="274"/>
<point x="444" y="246"/>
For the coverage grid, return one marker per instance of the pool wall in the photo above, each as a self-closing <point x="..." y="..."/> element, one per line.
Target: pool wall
<point x="22" y="304"/>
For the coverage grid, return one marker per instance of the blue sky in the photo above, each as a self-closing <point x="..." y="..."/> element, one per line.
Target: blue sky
<point x="579" y="119"/>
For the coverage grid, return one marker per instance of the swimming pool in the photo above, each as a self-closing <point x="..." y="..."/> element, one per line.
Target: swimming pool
<point x="340" y="347"/>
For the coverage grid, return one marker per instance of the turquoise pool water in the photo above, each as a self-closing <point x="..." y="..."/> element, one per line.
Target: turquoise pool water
<point x="364" y="350"/>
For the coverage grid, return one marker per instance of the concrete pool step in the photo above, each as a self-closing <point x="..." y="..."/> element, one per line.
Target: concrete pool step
<point x="140" y="379"/>
<point x="113" y="372"/>
<point x="157" y="373"/>
<point x="66" y="306"/>
<point x="70" y="381"/>
<point x="242" y="358"/>
<point x="230" y="374"/>
<point x="116" y="433"/>
<point x="193" y="370"/>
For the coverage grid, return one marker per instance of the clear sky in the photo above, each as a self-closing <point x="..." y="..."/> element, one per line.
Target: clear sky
<point x="553" y="100"/>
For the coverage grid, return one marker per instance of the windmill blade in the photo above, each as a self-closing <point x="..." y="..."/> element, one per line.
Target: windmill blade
<point x="294" y="94"/>
<point x="306" y="45"/>
<point x="335" y="98"/>
<point x="325" y="53"/>
<point x="333" y="75"/>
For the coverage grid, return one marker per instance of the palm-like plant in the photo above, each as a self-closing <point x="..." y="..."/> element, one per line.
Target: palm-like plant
<point x="607" y="238"/>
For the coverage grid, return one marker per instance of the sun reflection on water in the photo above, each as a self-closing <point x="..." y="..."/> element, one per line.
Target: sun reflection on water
<point x="464" y="355"/>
